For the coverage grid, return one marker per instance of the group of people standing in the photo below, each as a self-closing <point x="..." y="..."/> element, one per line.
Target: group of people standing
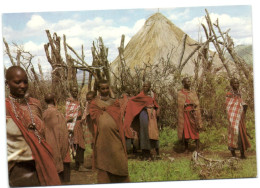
<point x="40" y="143"/>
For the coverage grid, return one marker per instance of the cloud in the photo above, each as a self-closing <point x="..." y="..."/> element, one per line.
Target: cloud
<point x="77" y="33"/>
<point x="179" y="15"/>
<point x="36" y="22"/>
<point x="138" y="25"/>
<point x="32" y="47"/>
<point x="241" y="29"/>
<point x="75" y="42"/>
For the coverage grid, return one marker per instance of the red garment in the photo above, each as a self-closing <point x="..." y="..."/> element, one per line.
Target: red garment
<point x="67" y="158"/>
<point x="78" y="135"/>
<point x="123" y="103"/>
<point x="242" y="130"/>
<point x="35" y="106"/>
<point x="190" y="130"/>
<point x="42" y="155"/>
<point x="114" y="111"/>
<point x="134" y="107"/>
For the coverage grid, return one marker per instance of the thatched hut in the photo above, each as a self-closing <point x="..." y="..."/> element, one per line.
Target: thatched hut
<point x="157" y="39"/>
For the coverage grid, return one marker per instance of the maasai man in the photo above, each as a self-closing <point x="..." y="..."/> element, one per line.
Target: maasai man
<point x="236" y="110"/>
<point x="30" y="160"/>
<point x="144" y="106"/>
<point x="73" y="115"/>
<point x="110" y="158"/>
<point x="56" y="133"/>
<point x="189" y="116"/>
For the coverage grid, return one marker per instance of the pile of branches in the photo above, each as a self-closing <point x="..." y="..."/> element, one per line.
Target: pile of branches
<point x="211" y="168"/>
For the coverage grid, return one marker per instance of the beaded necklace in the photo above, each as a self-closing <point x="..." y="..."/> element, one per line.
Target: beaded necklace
<point x="31" y="126"/>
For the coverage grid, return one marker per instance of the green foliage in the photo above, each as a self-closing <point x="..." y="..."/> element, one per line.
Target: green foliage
<point x="214" y="139"/>
<point x="167" y="137"/>
<point x="250" y="127"/>
<point x="161" y="170"/>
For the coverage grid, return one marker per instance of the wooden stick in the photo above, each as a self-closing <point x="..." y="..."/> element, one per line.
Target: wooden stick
<point x="183" y="50"/>
<point x="8" y="52"/>
<point x="13" y="155"/>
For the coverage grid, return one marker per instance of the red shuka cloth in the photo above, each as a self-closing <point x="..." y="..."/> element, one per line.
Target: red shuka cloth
<point x="42" y="155"/>
<point x="114" y="111"/>
<point x="242" y="130"/>
<point x="190" y="128"/>
<point x="134" y="107"/>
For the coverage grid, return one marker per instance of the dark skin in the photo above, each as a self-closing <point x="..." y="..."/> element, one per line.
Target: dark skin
<point x="74" y="92"/>
<point x="235" y="86"/>
<point x="104" y="91"/>
<point x="89" y="97"/>
<point x="186" y="83"/>
<point x="17" y="81"/>
<point x="146" y="87"/>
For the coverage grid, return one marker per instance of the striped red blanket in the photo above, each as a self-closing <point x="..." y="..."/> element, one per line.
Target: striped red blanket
<point x="234" y="108"/>
<point x="72" y="110"/>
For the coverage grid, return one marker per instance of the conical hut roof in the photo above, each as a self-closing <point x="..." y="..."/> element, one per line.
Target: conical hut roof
<point x="155" y="40"/>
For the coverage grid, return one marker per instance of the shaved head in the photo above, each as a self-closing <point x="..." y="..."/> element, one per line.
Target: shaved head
<point x="12" y="71"/>
<point x="49" y="98"/>
<point x="17" y="80"/>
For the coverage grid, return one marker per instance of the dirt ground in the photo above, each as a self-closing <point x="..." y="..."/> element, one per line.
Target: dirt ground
<point x="80" y="178"/>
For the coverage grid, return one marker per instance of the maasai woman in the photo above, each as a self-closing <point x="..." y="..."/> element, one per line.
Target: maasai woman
<point x="30" y="158"/>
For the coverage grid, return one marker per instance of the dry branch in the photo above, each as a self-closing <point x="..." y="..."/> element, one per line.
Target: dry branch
<point x="216" y="44"/>
<point x="193" y="52"/>
<point x="8" y="52"/>
<point x="182" y="51"/>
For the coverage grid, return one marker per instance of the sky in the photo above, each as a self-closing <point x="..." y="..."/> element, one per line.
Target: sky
<point x="85" y="26"/>
<point x="31" y="17"/>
